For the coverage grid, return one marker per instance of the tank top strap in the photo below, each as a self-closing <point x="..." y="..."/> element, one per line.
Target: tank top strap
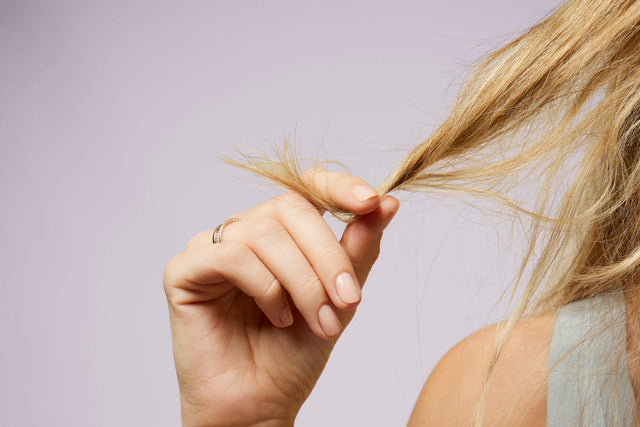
<point x="588" y="382"/>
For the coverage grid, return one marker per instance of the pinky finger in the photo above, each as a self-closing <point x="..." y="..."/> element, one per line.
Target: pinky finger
<point x="208" y="272"/>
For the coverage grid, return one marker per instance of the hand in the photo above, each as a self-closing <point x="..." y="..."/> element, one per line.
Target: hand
<point x="254" y="318"/>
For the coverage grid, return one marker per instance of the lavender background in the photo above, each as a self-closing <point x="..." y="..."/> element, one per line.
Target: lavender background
<point x="111" y="118"/>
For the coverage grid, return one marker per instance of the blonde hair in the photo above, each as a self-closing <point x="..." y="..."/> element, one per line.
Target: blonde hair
<point x="564" y="96"/>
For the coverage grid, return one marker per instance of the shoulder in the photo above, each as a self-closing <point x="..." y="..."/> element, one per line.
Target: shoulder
<point x="517" y="389"/>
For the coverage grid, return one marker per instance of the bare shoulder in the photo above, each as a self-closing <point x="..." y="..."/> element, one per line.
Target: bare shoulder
<point x="517" y="389"/>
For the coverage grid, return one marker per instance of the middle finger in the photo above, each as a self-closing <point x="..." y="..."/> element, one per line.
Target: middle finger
<point x="275" y="247"/>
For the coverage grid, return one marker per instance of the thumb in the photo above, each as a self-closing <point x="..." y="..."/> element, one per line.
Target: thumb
<point x="361" y="238"/>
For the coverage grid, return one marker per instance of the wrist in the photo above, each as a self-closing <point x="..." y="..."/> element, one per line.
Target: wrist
<point x="192" y="417"/>
<point x="193" y="422"/>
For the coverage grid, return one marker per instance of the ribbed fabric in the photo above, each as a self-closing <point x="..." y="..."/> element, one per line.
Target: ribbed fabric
<point x="589" y="382"/>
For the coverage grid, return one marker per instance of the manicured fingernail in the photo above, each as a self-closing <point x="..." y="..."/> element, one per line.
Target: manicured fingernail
<point x="286" y="316"/>
<point x="329" y="321"/>
<point x="348" y="289"/>
<point x="364" y="193"/>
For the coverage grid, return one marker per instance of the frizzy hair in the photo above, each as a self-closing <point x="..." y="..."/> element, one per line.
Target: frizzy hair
<point x="565" y="95"/>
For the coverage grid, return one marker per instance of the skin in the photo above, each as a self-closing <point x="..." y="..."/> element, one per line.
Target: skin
<point x="517" y="389"/>
<point x="241" y="360"/>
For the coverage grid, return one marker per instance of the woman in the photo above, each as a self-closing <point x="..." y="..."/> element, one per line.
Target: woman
<point x="257" y="304"/>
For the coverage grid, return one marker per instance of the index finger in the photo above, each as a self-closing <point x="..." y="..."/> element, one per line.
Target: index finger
<point x="346" y="191"/>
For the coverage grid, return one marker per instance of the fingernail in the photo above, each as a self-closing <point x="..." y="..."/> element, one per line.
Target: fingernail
<point x="364" y="193"/>
<point x="348" y="289"/>
<point x="329" y="321"/>
<point x="286" y="316"/>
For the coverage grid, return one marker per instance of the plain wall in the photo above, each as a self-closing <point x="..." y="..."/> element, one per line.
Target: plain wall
<point x="112" y="115"/>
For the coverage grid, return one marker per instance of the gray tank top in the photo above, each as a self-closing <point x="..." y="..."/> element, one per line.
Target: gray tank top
<point x="588" y="383"/>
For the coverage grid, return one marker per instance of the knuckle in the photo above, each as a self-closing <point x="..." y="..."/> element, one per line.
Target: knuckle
<point x="231" y="252"/>
<point x="266" y="227"/>
<point x="310" y="284"/>
<point x="309" y="173"/>
<point x="332" y="253"/>
<point x="195" y="240"/>
<point x="170" y="274"/>
<point x="289" y="199"/>
<point x="317" y="179"/>
<point x="293" y="201"/>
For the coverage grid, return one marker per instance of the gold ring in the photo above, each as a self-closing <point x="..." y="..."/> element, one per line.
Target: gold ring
<point x="217" y="232"/>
